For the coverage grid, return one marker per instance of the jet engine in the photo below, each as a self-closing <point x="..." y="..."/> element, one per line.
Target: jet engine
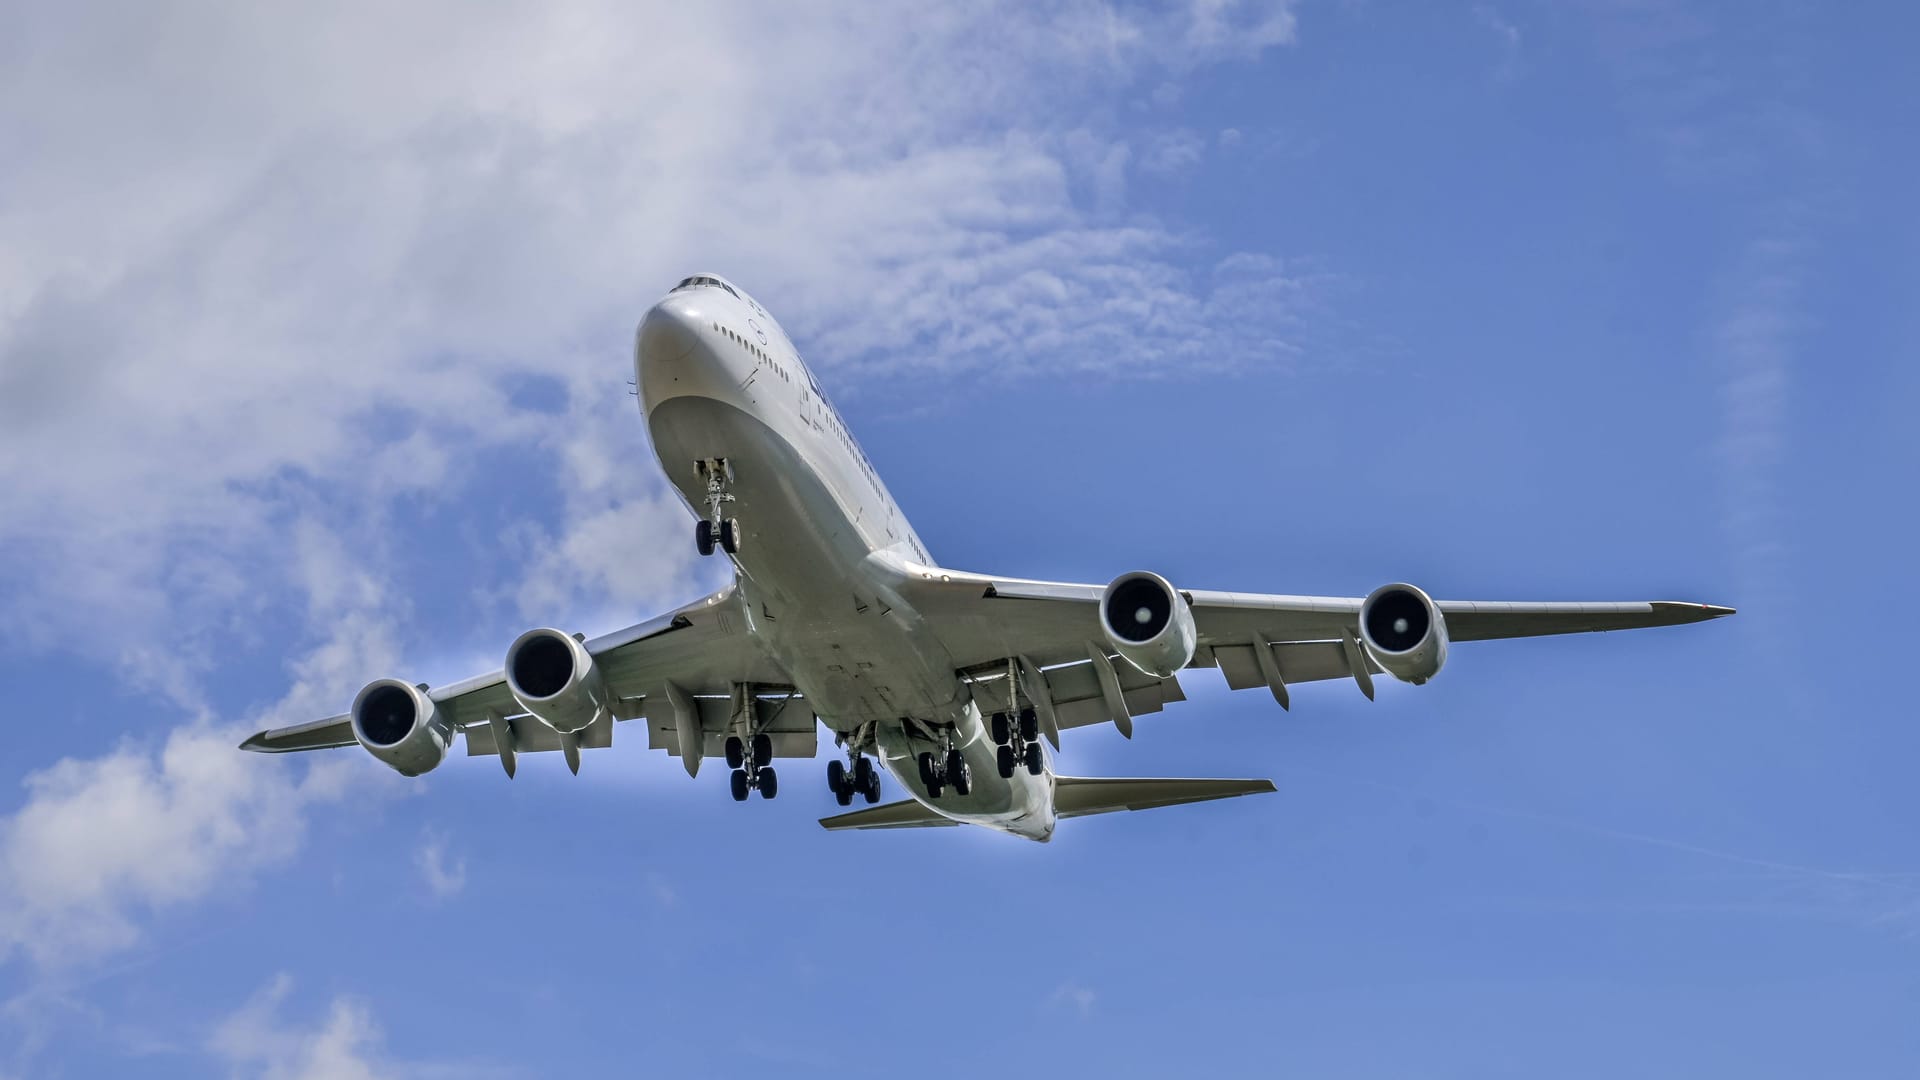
<point x="553" y="677"/>
<point x="1148" y="623"/>
<point x="398" y="723"/>
<point x="1405" y="632"/>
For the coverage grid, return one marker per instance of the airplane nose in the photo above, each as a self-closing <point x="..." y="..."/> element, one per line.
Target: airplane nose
<point x="670" y="331"/>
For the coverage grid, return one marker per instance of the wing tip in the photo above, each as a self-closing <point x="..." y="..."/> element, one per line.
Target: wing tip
<point x="256" y="743"/>
<point x="1695" y="612"/>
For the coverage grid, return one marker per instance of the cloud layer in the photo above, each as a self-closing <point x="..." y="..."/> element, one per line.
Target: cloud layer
<point x="277" y="280"/>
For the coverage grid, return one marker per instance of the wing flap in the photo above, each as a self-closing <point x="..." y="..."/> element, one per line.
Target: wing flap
<point x="1079" y="796"/>
<point x="1299" y="662"/>
<point x="788" y="721"/>
<point x="530" y="736"/>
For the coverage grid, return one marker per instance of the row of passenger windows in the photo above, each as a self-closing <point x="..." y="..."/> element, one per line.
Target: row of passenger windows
<point x="701" y="279"/>
<point x="839" y="427"/>
<point x="764" y="356"/>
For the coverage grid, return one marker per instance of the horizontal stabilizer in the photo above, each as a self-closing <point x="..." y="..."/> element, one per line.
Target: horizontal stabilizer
<point x="1078" y="796"/>
<point x="1073" y="796"/>
<point x="905" y="814"/>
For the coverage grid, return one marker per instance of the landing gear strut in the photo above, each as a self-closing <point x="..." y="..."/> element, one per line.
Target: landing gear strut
<point x="716" y="527"/>
<point x="1018" y="736"/>
<point x="950" y="769"/>
<point x="750" y="769"/>
<point x="860" y="779"/>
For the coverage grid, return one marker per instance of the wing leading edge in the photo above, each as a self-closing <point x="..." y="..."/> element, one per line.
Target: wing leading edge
<point x="703" y="647"/>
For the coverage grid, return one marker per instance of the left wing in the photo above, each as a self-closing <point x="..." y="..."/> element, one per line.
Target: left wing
<point x="705" y="648"/>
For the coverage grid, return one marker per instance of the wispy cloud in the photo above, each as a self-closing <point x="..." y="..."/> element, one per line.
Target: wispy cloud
<point x="258" y="1040"/>
<point x="1075" y="997"/>
<point x="104" y="839"/>
<point x="444" y="874"/>
<point x="337" y="277"/>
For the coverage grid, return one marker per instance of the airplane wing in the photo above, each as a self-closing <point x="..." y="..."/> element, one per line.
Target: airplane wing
<point x="704" y="648"/>
<point x="1031" y="640"/>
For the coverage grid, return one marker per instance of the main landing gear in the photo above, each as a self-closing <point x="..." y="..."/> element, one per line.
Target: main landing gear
<point x="1018" y="737"/>
<point x="941" y="771"/>
<point x="750" y="771"/>
<point x="716" y="527"/>
<point x="861" y="779"/>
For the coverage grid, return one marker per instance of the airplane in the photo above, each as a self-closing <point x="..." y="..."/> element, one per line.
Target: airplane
<point x="953" y="682"/>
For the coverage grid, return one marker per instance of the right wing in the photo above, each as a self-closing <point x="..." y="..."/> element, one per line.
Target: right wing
<point x="705" y="648"/>
<point x="1030" y="641"/>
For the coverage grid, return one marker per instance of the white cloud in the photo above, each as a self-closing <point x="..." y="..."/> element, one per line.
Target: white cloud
<point x="1069" y="995"/>
<point x="270" y="274"/>
<point x="255" y="253"/>
<point x="102" y="841"/>
<point x="445" y="875"/>
<point x="1169" y="152"/>
<point x="256" y="1042"/>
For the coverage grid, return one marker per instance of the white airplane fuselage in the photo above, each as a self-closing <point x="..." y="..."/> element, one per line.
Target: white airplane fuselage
<point x="821" y="542"/>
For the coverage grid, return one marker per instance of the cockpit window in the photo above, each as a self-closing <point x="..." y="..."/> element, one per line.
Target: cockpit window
<point x="701" y="280"/>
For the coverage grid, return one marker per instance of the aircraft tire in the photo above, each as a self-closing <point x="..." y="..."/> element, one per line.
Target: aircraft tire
<point x="837" y="778"/>
<point x="1004" y="759"/>
<point x="1001" y="731"/>
<point x="730" y="536"/>
<point x="736" y="752"/>
<point x="703" y="537"/>
<point x="739" y="785"/>
<point x="762" y="748"/>
<point x="1035" y="763"/>
<point x="1029" y="725"/>
<point x="769" y="783"/>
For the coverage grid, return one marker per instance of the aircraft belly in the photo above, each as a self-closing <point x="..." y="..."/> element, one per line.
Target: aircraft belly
<point x="857" y="654"/>
<point x="1021" y="805"/>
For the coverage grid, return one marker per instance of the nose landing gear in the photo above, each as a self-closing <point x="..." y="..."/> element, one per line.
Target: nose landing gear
<point x="716" y="528"/>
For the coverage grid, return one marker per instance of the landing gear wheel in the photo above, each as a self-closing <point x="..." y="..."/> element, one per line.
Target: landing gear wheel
<point x="961" y="778"/>
<point x="871" y="789"/>
<point x="926" y="771"/>
<point x="1004" y="758"/>
<point x="1029" y="725"/>
<point x="769" y="783"/>
<point x="1035" y="763"/>
<point x="843" y="796"/>
<point x="837" y="778"/>
<point x="730" y="536"/>
<point x="864" y="775"/>
<point x="739" y="785"/>
<point x="703" y="537"/>
<point x="1001" y="731"/>
<point x="762" y="748"/>
<point x="736" y="752"/>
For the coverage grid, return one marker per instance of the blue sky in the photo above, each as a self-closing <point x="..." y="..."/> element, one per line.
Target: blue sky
<point x="313" y="333"/>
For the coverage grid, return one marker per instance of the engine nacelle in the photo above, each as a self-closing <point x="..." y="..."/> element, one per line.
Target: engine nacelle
<point x="1403" y="629"/>
<point x="1149" y="623"/>
<point x="553" y="677"/>
<point x="398" y="723"/>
